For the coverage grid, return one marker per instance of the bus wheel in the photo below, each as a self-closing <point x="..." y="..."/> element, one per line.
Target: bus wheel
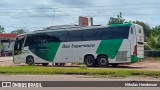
<point x="89" y="61"/>
<point x="62" y="64"/>
<point x="114" y="65"/>
<point x="30" y="60"/>
<point x="45" y="64"/>
<point x="103" y="61"/>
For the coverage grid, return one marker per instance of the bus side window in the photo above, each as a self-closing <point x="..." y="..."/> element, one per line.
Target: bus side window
<point x="139" y="30"/>
<point x="131" y="31"/>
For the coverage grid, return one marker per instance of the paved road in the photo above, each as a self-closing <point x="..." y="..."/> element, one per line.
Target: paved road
<point x="73" y="78"/>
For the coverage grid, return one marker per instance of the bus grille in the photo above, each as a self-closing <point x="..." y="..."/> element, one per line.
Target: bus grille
<point x="121" y="56"/>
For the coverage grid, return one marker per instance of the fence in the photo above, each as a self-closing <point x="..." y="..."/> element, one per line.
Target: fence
<point x="152" y="53"/>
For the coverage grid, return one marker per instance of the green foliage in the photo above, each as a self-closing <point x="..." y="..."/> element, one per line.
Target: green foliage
<point x="19" y="31"/>
<point x="117" y="20"/>
<point x="2" y="29"/>
<point x="145" y="26"/>
<point x="153" y="39"/>
<point x="120" y="20"/>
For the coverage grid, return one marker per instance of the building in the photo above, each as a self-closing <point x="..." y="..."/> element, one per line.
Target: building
<point x="6" y="43"/>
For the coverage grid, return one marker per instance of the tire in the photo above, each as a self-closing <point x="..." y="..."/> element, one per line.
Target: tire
<point x="45" y="64"/>
<point x="114" y="65"/>
<point x="90" y="61"/>
<point x="30" y="60"/>
<point x="103" y="61"/>
<point x="62" y="64"/>
<point x="58" y="64"/>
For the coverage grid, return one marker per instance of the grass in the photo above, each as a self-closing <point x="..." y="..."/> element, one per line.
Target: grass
<point x="34" y="70"/>
<point x="157" y="58"/>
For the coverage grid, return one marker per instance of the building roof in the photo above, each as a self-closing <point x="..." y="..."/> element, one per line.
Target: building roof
<point x="7" y="36"/>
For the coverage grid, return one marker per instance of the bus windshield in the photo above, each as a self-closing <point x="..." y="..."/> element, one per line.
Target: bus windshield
<point x="19" y="44"/>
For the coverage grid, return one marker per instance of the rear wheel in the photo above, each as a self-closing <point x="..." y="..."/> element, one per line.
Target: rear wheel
<point x="45" y="64"/>
<point x="103" y="61"/>
<point x="90" y="61"/>
<point x="62" y="64"/>
<point x="30" y="60"/>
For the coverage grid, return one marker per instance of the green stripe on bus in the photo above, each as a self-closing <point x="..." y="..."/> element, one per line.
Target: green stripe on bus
<point x="109" y="47"/>
<point x="134" y="59"/>
<point x="120" y="25"/>
<point x="48" y="53"/>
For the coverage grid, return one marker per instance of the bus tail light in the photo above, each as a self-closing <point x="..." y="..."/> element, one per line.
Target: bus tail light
<point x="135" y="50"/>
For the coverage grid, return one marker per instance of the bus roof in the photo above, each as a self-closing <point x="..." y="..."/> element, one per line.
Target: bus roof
<point x="67" y="29"/>
<point x="119" y="25"/>
<point x="78" y="28"/>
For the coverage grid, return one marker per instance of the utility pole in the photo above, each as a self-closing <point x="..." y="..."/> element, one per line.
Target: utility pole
<point x="53" y="16"/>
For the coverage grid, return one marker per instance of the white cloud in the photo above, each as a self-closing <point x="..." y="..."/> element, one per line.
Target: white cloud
<point x="38" y="14"/>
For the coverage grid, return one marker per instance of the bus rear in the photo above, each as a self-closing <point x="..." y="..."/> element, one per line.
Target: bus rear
<point x="139" y="42"/>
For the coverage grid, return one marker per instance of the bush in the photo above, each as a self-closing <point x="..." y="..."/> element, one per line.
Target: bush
<point x="151" y="53"/>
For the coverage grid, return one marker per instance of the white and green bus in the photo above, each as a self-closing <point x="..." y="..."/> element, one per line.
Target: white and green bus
<point x="94" y="46"/>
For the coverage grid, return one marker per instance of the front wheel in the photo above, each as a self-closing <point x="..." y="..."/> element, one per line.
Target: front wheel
<point x="103" y="61"/>
<point x="30" y="60"/>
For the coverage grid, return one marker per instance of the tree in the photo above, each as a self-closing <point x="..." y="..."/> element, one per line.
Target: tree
<point x="153" y="42"/>
<point x="153" y="39"/>
<point x="146" y="27"/>
<point x="120" y="20"/>
<point x="152" y="35"/>
<point x="19" y="31"/>
<point x="117" y="20"/>
<point x="2" y="29"/>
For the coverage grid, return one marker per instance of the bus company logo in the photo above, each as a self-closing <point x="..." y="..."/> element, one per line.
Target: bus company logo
<point x="6" y="84"/>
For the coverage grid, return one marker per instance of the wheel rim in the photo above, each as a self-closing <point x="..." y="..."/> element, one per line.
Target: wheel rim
<point x="89" y="61"/>
<point x="30" y="61"/>
<point x="103" y="61"/>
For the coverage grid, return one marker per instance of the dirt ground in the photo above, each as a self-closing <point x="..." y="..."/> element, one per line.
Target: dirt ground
<point x="148" y="63"/>
<point x="6" y="61"/>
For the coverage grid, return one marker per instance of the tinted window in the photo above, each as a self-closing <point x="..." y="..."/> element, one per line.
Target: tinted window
<point x="106" y="33"/>
<point x="118" y="33"/>
<point x="79" y="35"/>
<point x="131" y="31"/>
<point x="90" y="34"/>
<point x="57" y="36"/>
<point x="18" y="45"/>
<point x="75" y="35"/>
<point x="44" y="38"/>
<point x="32" y="39"/>
<point x="139" y="30"/>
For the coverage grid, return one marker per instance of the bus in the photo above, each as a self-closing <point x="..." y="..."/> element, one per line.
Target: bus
<point x="98" y="46"/>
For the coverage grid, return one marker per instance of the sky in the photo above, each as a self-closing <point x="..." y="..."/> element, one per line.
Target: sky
<point x="38" y="14"/>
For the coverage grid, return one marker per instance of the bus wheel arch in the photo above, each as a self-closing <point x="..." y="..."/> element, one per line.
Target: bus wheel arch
<point x="30" y="60"/>
<point x="45" y="64"/>
<point x="102" y="60"/>
<point x="89" y="60"/>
